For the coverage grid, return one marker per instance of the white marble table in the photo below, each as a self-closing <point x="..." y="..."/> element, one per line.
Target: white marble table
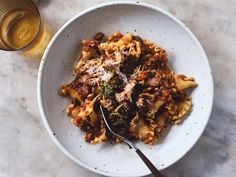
<point x="26" y="150"/>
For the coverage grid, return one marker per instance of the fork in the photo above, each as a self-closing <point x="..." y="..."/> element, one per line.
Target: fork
<point x="148" y="163"/>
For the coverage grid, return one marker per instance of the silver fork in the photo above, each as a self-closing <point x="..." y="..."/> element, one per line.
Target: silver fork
<point x="149" y="164"/>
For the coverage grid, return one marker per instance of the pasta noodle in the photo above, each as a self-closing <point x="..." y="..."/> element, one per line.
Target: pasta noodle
<point x="130" y="78"/>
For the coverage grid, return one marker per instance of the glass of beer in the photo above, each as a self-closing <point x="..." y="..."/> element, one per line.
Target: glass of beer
<point x="21" y="28"/>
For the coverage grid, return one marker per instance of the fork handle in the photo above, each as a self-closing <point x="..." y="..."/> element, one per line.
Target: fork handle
<point x="149" y="164"/>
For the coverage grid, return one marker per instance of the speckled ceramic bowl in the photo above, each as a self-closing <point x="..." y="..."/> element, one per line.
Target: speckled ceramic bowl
<point x="186" y="55"/>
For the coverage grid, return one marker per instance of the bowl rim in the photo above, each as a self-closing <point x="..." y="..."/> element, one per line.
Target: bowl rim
<point x="41" y="73"/>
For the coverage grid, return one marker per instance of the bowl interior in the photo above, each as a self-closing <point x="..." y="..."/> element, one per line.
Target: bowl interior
<point x="185" y="56"/>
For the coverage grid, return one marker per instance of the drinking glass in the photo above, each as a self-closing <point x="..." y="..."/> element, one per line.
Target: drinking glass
<point x="21" y="28"/>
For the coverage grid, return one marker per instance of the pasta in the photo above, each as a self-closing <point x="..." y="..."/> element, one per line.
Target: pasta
<point x="130" y="78"/>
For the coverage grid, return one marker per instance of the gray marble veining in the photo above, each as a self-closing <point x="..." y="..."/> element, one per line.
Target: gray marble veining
<point x="26" y="150"/>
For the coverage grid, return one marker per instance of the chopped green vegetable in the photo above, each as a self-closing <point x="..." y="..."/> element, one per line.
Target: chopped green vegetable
<point x="106" y="89"/>
<point x="120" y="115"/>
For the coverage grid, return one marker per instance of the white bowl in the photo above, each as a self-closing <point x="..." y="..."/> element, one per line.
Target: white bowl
<point x="186" y="55"/>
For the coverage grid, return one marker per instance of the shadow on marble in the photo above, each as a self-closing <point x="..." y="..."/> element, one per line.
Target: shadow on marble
<point x="42" y="3"/>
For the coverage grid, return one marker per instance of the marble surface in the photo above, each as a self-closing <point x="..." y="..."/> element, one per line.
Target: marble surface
<point x="26" y="150"/>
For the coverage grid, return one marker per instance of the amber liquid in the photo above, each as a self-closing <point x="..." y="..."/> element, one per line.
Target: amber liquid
<point x="22" y="29"/>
